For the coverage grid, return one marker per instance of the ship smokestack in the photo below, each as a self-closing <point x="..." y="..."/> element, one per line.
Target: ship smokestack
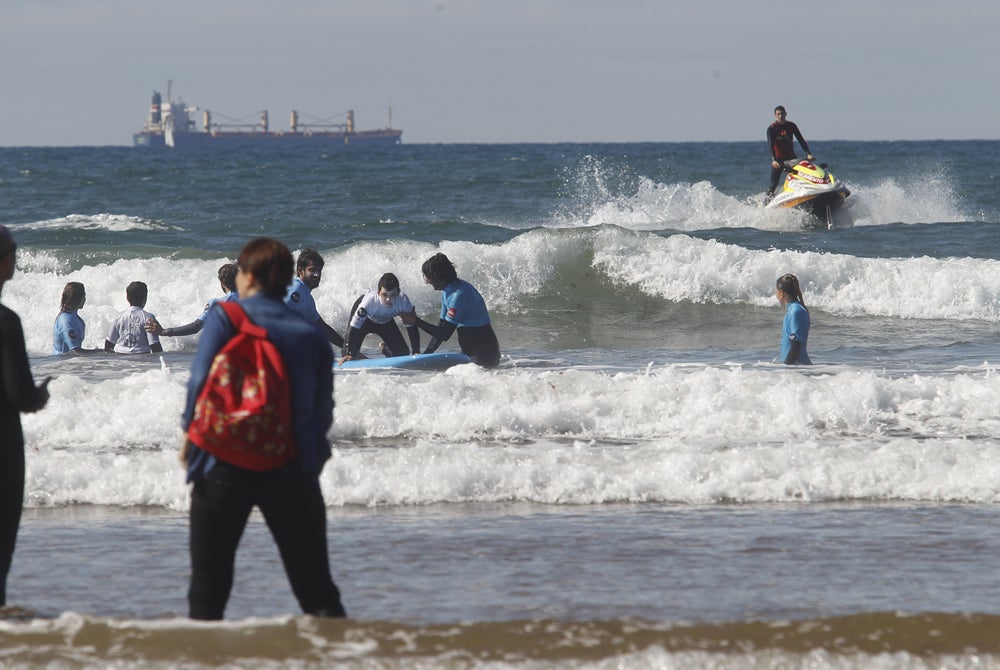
<point x="208" y="121"/>
<point x="263" y="121"/>
<point x="350" y="120"/>
<point x="294" y="123"/>
<point x="154" y="110"/>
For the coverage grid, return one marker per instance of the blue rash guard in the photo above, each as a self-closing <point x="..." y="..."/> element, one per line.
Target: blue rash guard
<point x="232" y="296"/>
<point x="795" y="331"/>
<point x="463" y="310"/>
<point x="462" y="305"/>
<point x="309" y="361"/>
<point x="68" y="332"/>
<point x="299" y="297"/>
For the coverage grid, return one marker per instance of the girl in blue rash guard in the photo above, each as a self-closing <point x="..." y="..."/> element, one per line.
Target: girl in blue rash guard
<point x="69" y="329"/>
<point x="462" y="309"/>
<point x="795" y="331"/>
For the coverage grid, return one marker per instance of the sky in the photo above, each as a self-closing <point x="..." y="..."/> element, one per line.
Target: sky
<point x="81" y="72"/>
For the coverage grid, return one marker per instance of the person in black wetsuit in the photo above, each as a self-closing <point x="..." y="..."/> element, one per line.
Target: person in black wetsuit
<point x="18" y="393"/>
<point x="781" y="136"/>
<point x="462" y="309"/>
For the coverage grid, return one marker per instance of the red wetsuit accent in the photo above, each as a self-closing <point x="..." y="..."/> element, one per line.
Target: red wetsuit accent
<point x="781" y="136"/>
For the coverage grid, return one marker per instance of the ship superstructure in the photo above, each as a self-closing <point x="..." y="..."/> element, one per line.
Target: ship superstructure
<point x="171" y="124"/>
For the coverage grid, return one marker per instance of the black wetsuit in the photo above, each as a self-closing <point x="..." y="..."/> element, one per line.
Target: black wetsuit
<point x="781" y="139"/>
<point x="477" y="342"/>
<point x="17" y="394"/>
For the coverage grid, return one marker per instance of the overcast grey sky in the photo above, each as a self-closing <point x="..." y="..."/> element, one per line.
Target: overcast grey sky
<point x="81" y="72"/>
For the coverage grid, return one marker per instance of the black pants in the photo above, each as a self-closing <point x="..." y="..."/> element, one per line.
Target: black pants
<point x="776" y="173"/>
<point x="11" y="499"/>
<point x="480" y="344"/>
<point x="389" y="332"/>
<point x="293" y="508"/>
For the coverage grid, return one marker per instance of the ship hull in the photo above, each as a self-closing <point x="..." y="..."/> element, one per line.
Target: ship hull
<point x="366" y="138"/>
<point x="145" y="138"/>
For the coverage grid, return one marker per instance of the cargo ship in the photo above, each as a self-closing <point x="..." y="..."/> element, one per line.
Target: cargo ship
<point x="172" y="125"/>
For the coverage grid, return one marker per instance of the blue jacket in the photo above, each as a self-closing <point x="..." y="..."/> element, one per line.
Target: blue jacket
<point x="308" y="359"/>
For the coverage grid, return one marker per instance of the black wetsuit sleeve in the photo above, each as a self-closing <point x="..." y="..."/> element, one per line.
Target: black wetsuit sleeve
<point x="440" y="332"/>
<point x="354" y="339"/>
<point x="414" y="334"/>
<point x="795" y="348"/>
<point x="336" y="339"/>
<point x="187" y="329"/>
<point x="802" y="140"/>
<point x="18" y="384"/>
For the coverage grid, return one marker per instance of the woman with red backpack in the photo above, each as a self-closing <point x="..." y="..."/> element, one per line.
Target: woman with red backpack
<point x="234" y="465"/>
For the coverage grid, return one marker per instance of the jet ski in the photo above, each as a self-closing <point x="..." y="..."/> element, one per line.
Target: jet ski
<point x="812" y="187"/>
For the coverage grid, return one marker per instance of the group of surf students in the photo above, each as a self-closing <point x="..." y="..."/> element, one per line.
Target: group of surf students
<point x="463" y="309"/>
<point x="273" y="459"/>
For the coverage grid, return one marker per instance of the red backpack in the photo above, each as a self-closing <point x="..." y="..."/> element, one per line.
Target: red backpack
<point x="243" y="414"/>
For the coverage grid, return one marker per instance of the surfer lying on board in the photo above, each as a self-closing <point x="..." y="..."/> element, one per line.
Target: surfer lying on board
<point x="227" y="279"/>
<point x="462" y="309"/>
<point x="374" y="312"/>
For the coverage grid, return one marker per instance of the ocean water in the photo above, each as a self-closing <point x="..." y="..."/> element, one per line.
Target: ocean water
<point x="640" y="484"/>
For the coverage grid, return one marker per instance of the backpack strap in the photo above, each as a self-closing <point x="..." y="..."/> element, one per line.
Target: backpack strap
<point x="241" y="322"/>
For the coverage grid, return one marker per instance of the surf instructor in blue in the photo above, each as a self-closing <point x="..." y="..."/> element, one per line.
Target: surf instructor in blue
<point x="462" y="309"/>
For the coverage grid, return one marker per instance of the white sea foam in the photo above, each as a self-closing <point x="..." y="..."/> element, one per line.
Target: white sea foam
<point x="682" y="268"/>
<point x="598" y="198"/>
<point x="693" y="434"/>
<point x="931" y="198"/>
<point x="114" y="223"/>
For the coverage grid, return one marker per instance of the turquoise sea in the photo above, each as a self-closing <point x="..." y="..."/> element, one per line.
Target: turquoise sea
<point x="640" y="484"/>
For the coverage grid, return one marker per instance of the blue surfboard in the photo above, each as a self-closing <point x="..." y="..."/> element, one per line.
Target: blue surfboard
<point x="433" y="361"/>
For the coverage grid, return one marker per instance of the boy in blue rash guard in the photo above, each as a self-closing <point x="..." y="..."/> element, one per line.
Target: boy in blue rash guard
<point x="462" y="309"/>
<point x="373" y="312"/>
<point x="795" y="330"/>
<point x="69" y="329"/>
<point x="227" y="279"/>
<point x="308" y="273"/>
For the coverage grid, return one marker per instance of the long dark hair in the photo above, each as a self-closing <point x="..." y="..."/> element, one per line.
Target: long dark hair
<point x="439" y="270"/>
<point x="270" y="262"/>
<point x="790" y="284"/>
<point x="227" y="276"/>
<point x="72" y="297"/>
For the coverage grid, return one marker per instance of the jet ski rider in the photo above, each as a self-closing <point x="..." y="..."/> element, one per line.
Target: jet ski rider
<point x="781" y="137"/>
